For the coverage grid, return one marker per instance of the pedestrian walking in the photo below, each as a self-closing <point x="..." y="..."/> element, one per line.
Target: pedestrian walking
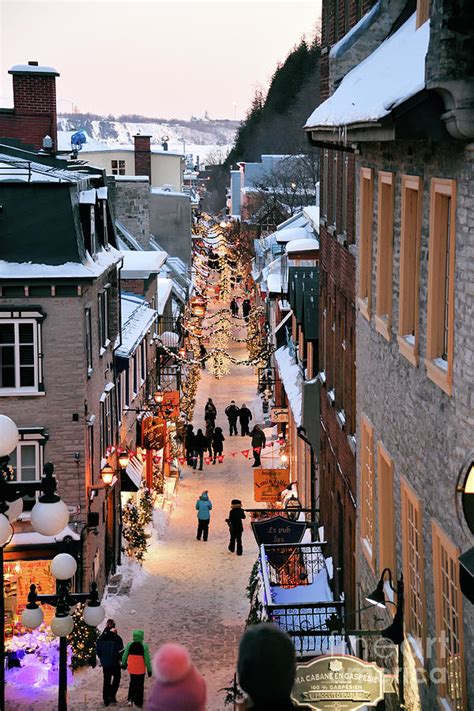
<point x="258" y="442"/>
<point x="136" y="658"/>
<point x="246" y="309"/>
<point x="178" y="686"/>
<point x="234" y="307"/>
<point x="189" y="438"/>
<point x="203" y="507"/>
<point x="232" y="412"/>
<point x="200" y="446"/>
<point x="266" y="667"/>
<point x="217" y="444"/>
<point x="210" y="411"/>
<point x="244" y="418"/>
<point x="210" y="427"/>
<point x="202" y="355"/>
<point x="234" y="521"/>
<point x="109" y="648"/>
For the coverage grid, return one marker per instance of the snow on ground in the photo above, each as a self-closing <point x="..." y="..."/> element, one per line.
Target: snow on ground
<point x="187" y="590"/>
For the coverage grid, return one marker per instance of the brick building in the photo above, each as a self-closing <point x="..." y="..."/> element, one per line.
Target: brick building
<point x="59" y="323"/>
<point x="337" y="343"/>
<point x="407" y="113"/>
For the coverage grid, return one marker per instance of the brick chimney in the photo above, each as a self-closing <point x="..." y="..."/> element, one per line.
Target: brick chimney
<point x="142" y="155"/>
<point x="34" y="105"/>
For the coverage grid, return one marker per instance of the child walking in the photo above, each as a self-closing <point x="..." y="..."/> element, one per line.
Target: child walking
<point x="136" y="658"/>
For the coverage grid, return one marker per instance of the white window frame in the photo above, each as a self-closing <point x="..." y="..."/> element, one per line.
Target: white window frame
<point x="28" y="439"/>
<point x="15" y="319"/>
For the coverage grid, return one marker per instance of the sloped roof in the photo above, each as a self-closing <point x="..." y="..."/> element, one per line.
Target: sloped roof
<point x="136" y="319"/>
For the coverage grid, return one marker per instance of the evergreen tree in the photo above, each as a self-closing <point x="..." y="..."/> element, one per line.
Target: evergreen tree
<point x="82" y="640"/>
<point x="133" y="532"/>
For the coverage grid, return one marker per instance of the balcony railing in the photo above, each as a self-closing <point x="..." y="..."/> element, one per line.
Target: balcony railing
<point x="295" y="585"/>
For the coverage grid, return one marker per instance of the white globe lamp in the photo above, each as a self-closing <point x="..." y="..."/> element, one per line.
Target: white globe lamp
<point x="61" y="626"/>
<point x="32" y="617"/>
<point x="63" y="566"/>
<point x="93" y="615"/>
<point x="6" y="530"/>
<point x="49" y="519"/>
<point x="14" y="510"/>
<point x="8" y="436"/>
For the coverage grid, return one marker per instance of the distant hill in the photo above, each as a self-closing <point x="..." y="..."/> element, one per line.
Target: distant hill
<point x="197" y="136"/>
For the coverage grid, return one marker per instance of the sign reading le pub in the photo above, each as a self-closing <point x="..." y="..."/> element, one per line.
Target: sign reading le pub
<point x="341" y="683"/>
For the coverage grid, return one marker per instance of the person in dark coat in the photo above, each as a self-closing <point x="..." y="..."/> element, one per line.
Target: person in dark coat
<point x="203" y="507"/>
<point x="258" y="442"/>
<point x="210" y="411"/>
<point x="109" y="648"/>
<point x="266" y="667"/>
<point x="244" y="418"/>
<point x="210" y="427"/>
<point x="217" y="443"/>
<point x="232" y="412"/>
<point x="236" y="514"/>
<point x="246" y="309"/>
<point x="189" y="445"/>
<point x="202" y="355"/>
<point x="234" y="307"/>
<point x="200" y="446"/>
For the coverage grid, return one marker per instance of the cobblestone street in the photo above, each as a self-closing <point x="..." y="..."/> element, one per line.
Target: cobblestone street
<point x="190" y="591"/>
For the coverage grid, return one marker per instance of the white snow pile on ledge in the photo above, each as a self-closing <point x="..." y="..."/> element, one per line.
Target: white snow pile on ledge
<point x="388" y="77"/>
<point x="292" y="381"/>
<point x="317" y="591"/>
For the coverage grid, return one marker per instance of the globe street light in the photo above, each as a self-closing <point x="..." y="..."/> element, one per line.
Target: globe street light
<point x="63" y="568"/>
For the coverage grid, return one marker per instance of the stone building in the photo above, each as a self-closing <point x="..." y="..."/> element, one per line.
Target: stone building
<point x="405" y="108"/>
<point x="59" y="325"/>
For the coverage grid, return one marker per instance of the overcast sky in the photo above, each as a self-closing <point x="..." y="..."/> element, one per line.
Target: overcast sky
<point x="154" y="57"/>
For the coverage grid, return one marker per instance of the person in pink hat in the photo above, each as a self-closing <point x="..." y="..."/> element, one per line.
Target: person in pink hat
<point x="178" y="686"/>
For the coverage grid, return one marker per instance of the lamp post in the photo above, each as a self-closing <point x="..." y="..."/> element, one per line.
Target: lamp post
<point x="49" y="515"/>
<point x="63" y="568"/>
<point x="395" y="631"/>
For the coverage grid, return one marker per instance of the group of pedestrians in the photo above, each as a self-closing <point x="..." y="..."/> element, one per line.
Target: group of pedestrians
<point x="242" y="414"/>
<point x="266" y="669"/>
<point x="234" y="521"/>
<point x="246" y="307"/>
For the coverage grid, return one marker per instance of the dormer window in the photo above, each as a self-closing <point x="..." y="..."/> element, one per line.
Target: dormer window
<point x="93" y="230"/>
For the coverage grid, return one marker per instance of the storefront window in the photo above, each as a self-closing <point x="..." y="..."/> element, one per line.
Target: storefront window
<point x="18" y="576"/>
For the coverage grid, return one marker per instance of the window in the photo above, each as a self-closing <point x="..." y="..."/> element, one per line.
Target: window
<point x="387" y="555"/>
<point x="383" y="320"/>
<point x="365" y="247"/>
<point x="449" y="619"/>
<point x="20" y="359"/>
<point x="335" y="163"/>
<point x="93" y="230"/>
<point x="440" y="332"/>
<point x="422" y="12"/>
<point x="107" y="420"/>
<point x="345" y="173"/>
<point x="105" y="223"/>
<point x="27" y="463"/>
<point x="135" y="366"/>
<point x="118" y="167"/>
<point x="325" y="196"/>
<point x="367" y="491"/>
<point x="88" y="330"/>
<point x="413" y="566"/>
<point x="409" y="267"/>
<point x="143" y="361"/>
<point x="104" y="319"/>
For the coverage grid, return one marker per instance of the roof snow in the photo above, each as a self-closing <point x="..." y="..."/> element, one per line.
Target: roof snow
<point x="136" y="319"/>
<point x="302" y="245"/>
<point x="291" y="233"/>
<point x="393" y="73"/>
<point x="274" y="283"/>
<point x="292" y="379"/>
<point x="75" y="270"/>
<point x="165" y="287"/>
<point x="140" y="265"/>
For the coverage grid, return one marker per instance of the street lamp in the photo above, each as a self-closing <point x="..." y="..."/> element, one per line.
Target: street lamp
<point x="49" y="515"/>
<point x="395" y="631"/>
<point x="63" y="568"/>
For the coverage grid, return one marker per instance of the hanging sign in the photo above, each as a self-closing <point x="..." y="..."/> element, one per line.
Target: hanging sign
<point x="269" y="483"/>
<point x="342" y="681"/>
<point x="170" y="404"/>
<point x="278" y="530"/>
<point x="153" y="433"/>
<point x="279" y="414"/>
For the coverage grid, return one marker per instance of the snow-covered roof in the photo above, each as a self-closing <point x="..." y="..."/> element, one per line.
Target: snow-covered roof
<point x="393" y="73"/>
<point x="88" y="269"/>
<point x="32" y="69"/>
<point x="291" y="233"/>
<point x="165" y="287"/>
<point x="32" y="538"/>
<point x="137" y="318"/>
<point x="273" y="268"/>
<point x="302" y="245"/>
<point x="296" y="220"/>
<point x="292" y="379"/>
<point x="312" y="213"/>
<point x="140" y="265"/>
<point x="14" y="168"/>
<point x="168" y="193"/>
<point x="274" y="284"/>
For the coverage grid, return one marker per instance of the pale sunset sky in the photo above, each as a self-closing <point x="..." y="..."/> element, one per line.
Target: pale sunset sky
<point x="154" y="57"/>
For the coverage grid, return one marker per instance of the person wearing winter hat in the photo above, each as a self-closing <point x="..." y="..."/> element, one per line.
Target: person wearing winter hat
<point x="267" y="667"/>
<point x="178" y="686"/>
<point x="234" y="521"/>
<point x="203" y="507"/>
<point x="136" y="658"/>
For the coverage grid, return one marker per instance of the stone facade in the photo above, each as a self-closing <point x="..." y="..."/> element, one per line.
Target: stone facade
<point x="426" y="432"/>
<point x="131" y="204"/>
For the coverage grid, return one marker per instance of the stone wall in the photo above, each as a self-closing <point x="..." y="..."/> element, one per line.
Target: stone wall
<point x="426" y="432"/>
<point x="131" y="205"/>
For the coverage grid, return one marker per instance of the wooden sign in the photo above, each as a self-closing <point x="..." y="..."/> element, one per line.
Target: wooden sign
<point x="279" y="414"/>
<point x="153" y="433"/>
<point x="269" y="483"/>
<point x="170" y="404"/>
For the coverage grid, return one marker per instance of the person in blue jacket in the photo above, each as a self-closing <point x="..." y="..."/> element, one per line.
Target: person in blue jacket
<point x="203" y="507"/>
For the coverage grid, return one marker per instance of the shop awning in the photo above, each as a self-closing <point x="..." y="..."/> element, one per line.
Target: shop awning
<point x="131" y="478"/>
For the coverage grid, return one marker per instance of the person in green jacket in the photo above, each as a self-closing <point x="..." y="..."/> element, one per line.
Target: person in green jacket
<point x="136" y="658"/>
